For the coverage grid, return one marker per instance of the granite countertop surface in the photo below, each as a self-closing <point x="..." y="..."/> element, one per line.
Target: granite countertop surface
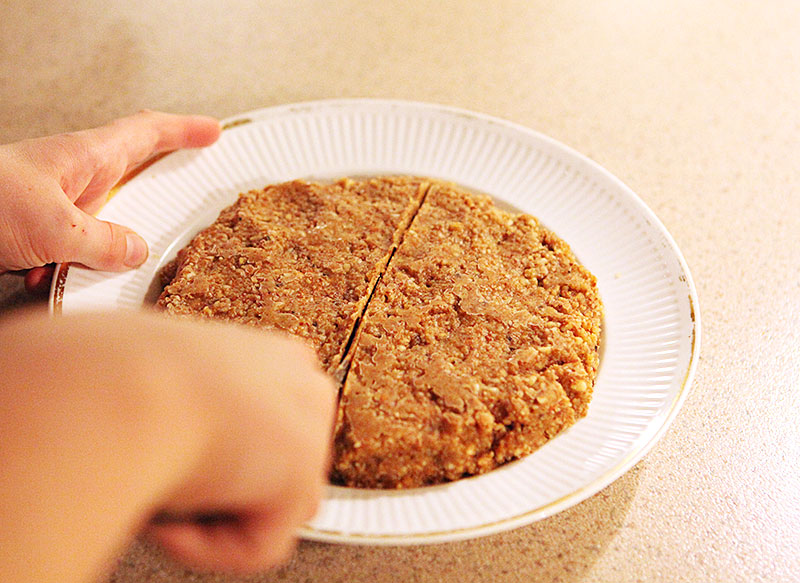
<point x="694" y="105"/>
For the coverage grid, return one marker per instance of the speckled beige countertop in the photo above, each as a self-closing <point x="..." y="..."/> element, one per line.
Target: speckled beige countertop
<point x="695" y="105"/>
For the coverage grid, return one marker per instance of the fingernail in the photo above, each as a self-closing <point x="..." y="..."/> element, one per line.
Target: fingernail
<point x="136" y="250"/>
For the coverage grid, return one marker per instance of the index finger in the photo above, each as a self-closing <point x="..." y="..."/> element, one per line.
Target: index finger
<point x="90" y="162"/>
<point x="147" y="133"/>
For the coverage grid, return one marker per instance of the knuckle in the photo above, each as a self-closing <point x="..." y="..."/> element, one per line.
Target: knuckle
<point x="67" y="150"/>
<point x="115" y="246"/>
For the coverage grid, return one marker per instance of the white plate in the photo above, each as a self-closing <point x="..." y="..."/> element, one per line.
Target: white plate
<point x="651" y="329"/>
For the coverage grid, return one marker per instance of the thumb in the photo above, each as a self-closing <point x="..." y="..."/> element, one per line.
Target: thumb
<point x="103" y="245"/>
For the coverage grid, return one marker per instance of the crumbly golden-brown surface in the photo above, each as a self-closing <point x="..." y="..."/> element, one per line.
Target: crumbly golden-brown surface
<point x="299" y="257"/>
<point x="480" y="330"/>
<point x="478" y="345"/>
